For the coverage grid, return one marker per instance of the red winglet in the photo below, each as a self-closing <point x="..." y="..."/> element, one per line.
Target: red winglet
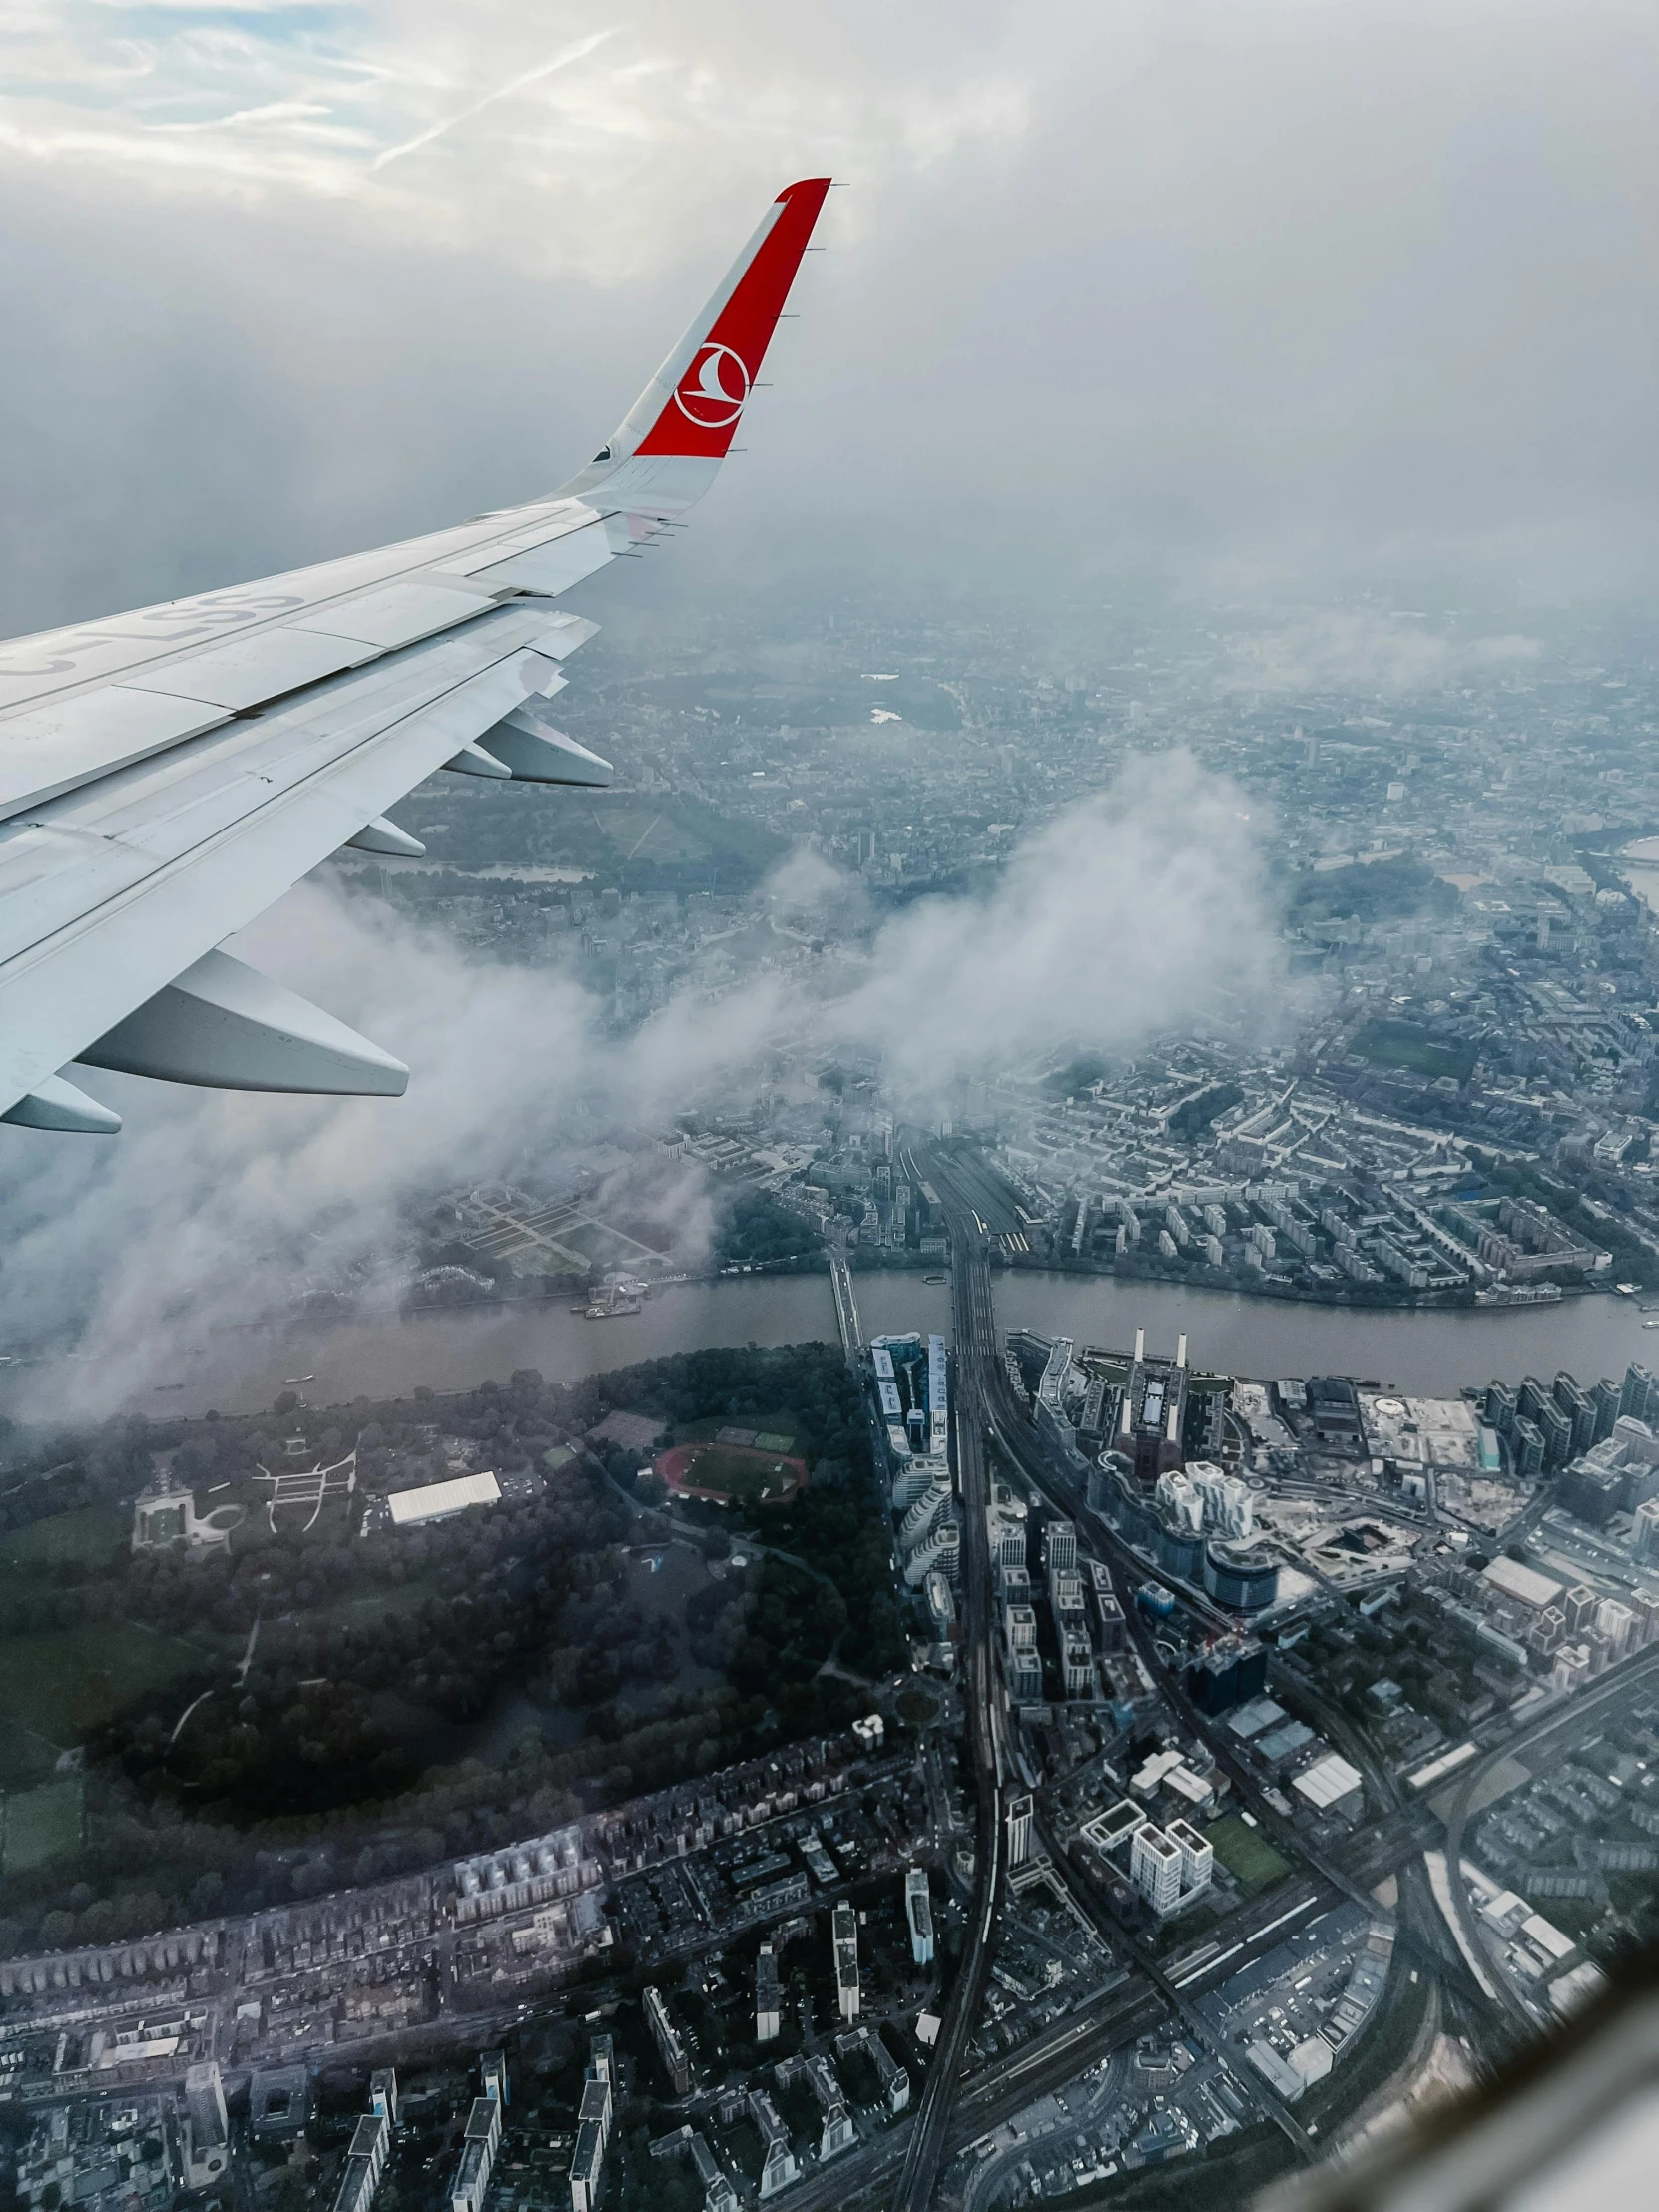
<point x="703" y="413"/>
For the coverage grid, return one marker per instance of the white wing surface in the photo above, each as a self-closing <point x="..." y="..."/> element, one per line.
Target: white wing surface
<point x="167" y="774"/>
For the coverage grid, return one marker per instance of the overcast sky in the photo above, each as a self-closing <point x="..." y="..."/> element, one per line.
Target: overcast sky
<point x="1224" y="287"/>
<point x="1239" y="290"/>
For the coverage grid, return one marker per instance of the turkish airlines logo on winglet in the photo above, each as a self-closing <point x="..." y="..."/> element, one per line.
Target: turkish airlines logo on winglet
<point x="712" y="391"/>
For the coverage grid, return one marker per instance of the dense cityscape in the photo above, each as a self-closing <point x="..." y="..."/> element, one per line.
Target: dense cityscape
<point x="934" y="1760"/>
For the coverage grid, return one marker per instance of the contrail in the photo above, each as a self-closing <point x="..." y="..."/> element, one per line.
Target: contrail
<point x="562" y="59"/>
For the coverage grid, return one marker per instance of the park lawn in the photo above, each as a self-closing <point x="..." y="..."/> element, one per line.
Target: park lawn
<point x="638" y="830"/>
<point x="1403" y="1044"/>
<point x="42" y="1823"/>
<point x="606" y="1246"/>
<point x="90" y="1538"/>
<point x="61" y="1683"/>
<point x="1246" y="1852"/>
<point x="681" y="829"/>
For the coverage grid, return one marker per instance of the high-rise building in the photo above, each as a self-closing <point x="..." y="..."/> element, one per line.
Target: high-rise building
<point x="382" y="2094"/>
<point x="939" y="1397"/>
<point x="1529" y="1447"/>
<point x="478" y="2149"/>
<point x="1618" y="1623"/>
<point x="1197" y="1857"/>
<point x="845" y="1939"/>
<point x="1572" y="1667"/>
<point x="593" y="2125"/>
<point x="1005" y="1531"/>
<point x="1644" y="1535"/>
<point x="593" y="2139"/>
<point x="1155" y="1867"/>
<point x="1019" y="1831"/>
<point x="1059" y="1548"/>
<point x="666" y="2037"/>
<point x="1579" y="1605"/>
<point x="1557" y="1431"/>
<point x="1230" y="1672"/>
<point x="1640" y="1395"/>
<point x="586" y="2161"/>
<point x="365" y="2162"/>
<point x="1592" y="1493"/>
<point x="1581" y="1409"/>
<point x="766" y="2002"/>
<point x="1547" y="1630"/>
<point x="918" y="1911"/>
<point x="492" y="2070"/>
<point x="1021" y="1661"/>
<point x="1242" y="1578"/>
<point x="1606" y="1394"/>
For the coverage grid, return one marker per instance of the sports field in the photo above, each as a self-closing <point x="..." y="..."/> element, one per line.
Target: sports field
<point x="1246" y="1852"/>
<point x="89" y="1538"/>
<point x="731" y="1474"/>
<point x="1403" y="1044"/>
<point x="41" y="1823"/>
<point x="60" y="1683"/>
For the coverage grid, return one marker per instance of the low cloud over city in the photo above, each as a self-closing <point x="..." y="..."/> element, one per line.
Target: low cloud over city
<point x="1143" y="905"/>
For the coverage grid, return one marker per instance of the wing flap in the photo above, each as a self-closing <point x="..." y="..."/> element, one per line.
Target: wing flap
<point x="51" y="748"/>
<point x="403" y="614"/>
<point x="255" y="670"/>
<point x="549" y="565"/>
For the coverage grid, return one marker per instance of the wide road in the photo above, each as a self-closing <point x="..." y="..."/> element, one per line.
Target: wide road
<point x="975" y="1328"/>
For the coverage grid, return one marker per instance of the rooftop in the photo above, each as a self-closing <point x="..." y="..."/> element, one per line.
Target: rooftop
<point x="437" y="1500"/>
<point x="1328" y="1781"/>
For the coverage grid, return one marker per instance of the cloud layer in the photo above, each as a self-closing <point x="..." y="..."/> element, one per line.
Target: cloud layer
<point x="1128" y="916"/>
<point x="1240" y="285"/>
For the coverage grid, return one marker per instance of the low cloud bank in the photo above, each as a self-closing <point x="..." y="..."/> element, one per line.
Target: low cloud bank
<point x="1138" y="913"/>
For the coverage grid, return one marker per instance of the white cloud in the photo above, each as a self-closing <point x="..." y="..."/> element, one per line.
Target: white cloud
<point x="1130" y="915"/>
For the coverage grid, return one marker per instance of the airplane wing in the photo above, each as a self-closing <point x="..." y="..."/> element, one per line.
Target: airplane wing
<point x="167" y="774"/>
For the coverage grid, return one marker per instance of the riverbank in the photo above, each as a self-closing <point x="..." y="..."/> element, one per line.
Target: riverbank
<point x="1431" y="1352"/>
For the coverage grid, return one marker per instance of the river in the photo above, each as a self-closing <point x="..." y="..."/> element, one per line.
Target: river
<point x="455" y="1347"/>
<point x="1641" y="870"/>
